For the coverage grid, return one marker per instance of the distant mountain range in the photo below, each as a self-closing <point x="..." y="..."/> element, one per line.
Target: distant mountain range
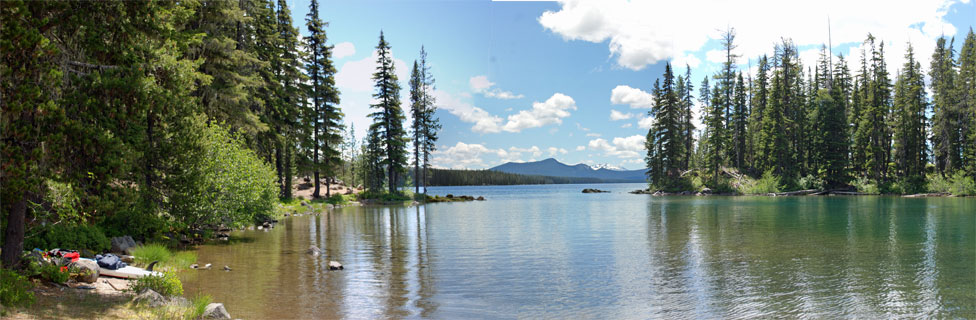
<point x="553" y="168"/>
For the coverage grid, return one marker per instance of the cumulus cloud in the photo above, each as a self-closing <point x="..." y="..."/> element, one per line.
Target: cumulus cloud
<point x="343" y="49"/>
<point x="483" y="121"/>
<point x="621" y="147"/>
<point x="542" y="113"/>
<point x="645" y="122"/>
<point x="481" y="84"/>
<point x="554" y="151"/>
<point x="617" y="115"/>
<point x="356" y="76"/>
<point x="627" y="125"/>
<point x="580" y="148"/>
<point x="637" y="41"/>
<point x="463" y="155"/>
<point x="636" y="98"/>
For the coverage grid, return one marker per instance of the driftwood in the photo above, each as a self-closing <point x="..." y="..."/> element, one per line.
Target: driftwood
<point x="852" y="193"/>
<point x="922" y="195"/>
<point x="795" y="193"/>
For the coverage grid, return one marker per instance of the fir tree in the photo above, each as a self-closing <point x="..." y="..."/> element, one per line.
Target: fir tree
<point x="324" y="114"/>
<point x="739" y="116"/>
<point x="966" y="102"/>
<point x="430" y="124"/>
<point x="909" y="127"/>
<point x="945" y="128"/>
<point x="759" y="92"/>
<point x="388" y="118"/>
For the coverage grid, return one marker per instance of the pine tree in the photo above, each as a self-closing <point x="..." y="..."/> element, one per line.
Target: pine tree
<point x="416" y="113"/>
<point x="688" y="128"/>
<point x="945" y="129"/>
<point x="774" y="141"/>
<point x="388" y="119"/>
<point x="324" y="114"/>
<point x="909" y="128"/>
<point x="759" y="93"/>
<point x="739" y="116"/>
<point x="715" y="132"/>
<point x="430" y="124"/>
<point x="873" y="136"/>
<point x="287" y="69"/>
<point x="966" y="102"/>
<point x="835" y="129"/>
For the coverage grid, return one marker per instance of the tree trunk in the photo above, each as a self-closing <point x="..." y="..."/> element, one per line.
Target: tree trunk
<point x="13" y="239"/>
<point x="279" y="168"/>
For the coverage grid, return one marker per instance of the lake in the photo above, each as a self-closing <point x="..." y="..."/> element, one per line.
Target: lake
<point x="549" y="251"/>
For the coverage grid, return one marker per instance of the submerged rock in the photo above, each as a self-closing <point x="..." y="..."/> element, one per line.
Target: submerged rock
<point x="334" y="265"/>
<point x="313" y="250"/>
<point x="588" y="190"/>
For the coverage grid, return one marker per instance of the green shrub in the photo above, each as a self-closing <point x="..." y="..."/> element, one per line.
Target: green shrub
<point x="147" y="253"/>
<point x="222" y="181"/>
<point x="768" y="183"/>
<point x="865" y="185"/>
<point x="937" y="183"/>
<point x="198" y="305"/>
<point x="55" y="273"/>
<point x="71" y="237"/>
<point x="811" y="182"/>
<point x="167" y="284"/>
<point x="337" y="199"/>
<point x="962" y="185"/>
<point x="15" y="289"/>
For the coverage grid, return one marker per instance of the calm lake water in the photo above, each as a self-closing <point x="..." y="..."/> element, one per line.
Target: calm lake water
<point x="552" y="252"/>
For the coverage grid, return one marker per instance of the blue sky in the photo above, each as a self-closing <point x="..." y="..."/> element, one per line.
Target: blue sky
<point x="524" y="81"/>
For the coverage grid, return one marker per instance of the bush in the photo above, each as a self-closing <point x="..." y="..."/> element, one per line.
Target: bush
<point x="865" y="185"/>
<point x="337" y="199"/>
<point x="15" y="289"/>
<point x="167" y="284"/>
<point x="937" y="183"/>
<point x="222" y="181"/>
<point x="71" y="237"/>
<point x="768" y="183"/>
<point x="147" y="253"/>
<point x="962" y="185"/>
<point x="55" y="273"/>
<point x="811" y="182"/>
<point x="133" y="221"/>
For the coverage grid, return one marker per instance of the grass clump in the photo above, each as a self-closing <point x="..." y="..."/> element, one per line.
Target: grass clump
<point x="167" y="284"/>
<point x="865" y="185"/>
<point x="182" y="260"/>
<point x="147" y="253"/>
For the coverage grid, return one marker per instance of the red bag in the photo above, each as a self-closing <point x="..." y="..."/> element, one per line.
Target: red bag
<point x="72" y="255"/>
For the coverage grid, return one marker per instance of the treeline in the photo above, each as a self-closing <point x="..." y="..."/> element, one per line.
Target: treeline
<point x="454" y="177"/>
<point x="821" y="126"/>
<point x="140" y="117"/>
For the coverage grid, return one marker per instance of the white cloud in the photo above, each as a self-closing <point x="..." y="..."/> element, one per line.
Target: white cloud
<point x="463" y="155"/>
<point x="580" y="148"/>
<point x="517" y="152"/>
<point x="627" y="125"/>
<point x="645" y="122"/>
<point x="593" y="134"/>
<point x="686" y="60"/>
<point x="542" y="113"/>
<point x="343" y="49"/>
<point x="554" y="151"/>
<point x="636" y="98"/>
<point x="481" y="84"/>
<point x="637" y="41"/>
<point x="356" y="76"/>
<point x="617" y="115"/>
<point x="621" y="147"/>
<point x="484" y="122"/>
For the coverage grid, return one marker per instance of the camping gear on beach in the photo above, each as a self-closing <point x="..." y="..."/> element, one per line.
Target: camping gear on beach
<point x="66" y="256"/>
<point x="109" y="261"/>
<point x="126" y="271"/>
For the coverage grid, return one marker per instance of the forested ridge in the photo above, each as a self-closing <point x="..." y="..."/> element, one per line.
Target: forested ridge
<point x="455" y="177"/>
<point x="145" y="117"/>
<point x="875" y="129"/>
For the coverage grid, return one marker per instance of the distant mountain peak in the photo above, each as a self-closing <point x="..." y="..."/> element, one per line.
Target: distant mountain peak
<point x="607" y="166"/>
<point x="553" y="168"/>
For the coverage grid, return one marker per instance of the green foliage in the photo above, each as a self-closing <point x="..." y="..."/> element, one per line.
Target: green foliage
<point x="811" y="182"/>
<point x="388" y="118"/>
<point x="768" y="183"/>
<point x="133" y="221"/>
<point x="384" y="197"/>
<point x="147" y="253"/>
<point x="70" y="237"/>
<point x="455" y="177"/>
<point x="167" y="284"/>
<point x="222" y="181"/>
<point x="865" y="185"/>
<point x="337" y="199"/>
<point x="15" y="289"/>
<point x="959" y="184"/>
<point x="55" y="273"/>
<point x="197" y="306"/>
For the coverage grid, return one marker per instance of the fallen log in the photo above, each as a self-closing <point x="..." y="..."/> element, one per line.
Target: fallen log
<point x="923" y="195"/>
<point x="794" y="193"/>
<point x="852" y="193"/>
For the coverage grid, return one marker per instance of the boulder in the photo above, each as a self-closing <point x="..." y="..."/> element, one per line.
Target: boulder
<point x="150" y="298"/>
<point x="480" y="198"/>
<point x="588" y="190"/>
<point x="335" y="265"/>
<point x="215" y="311"/>
<point x="88" y="269"/>
<point x="313" y="250"/>
<point x="122" y="244"/>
